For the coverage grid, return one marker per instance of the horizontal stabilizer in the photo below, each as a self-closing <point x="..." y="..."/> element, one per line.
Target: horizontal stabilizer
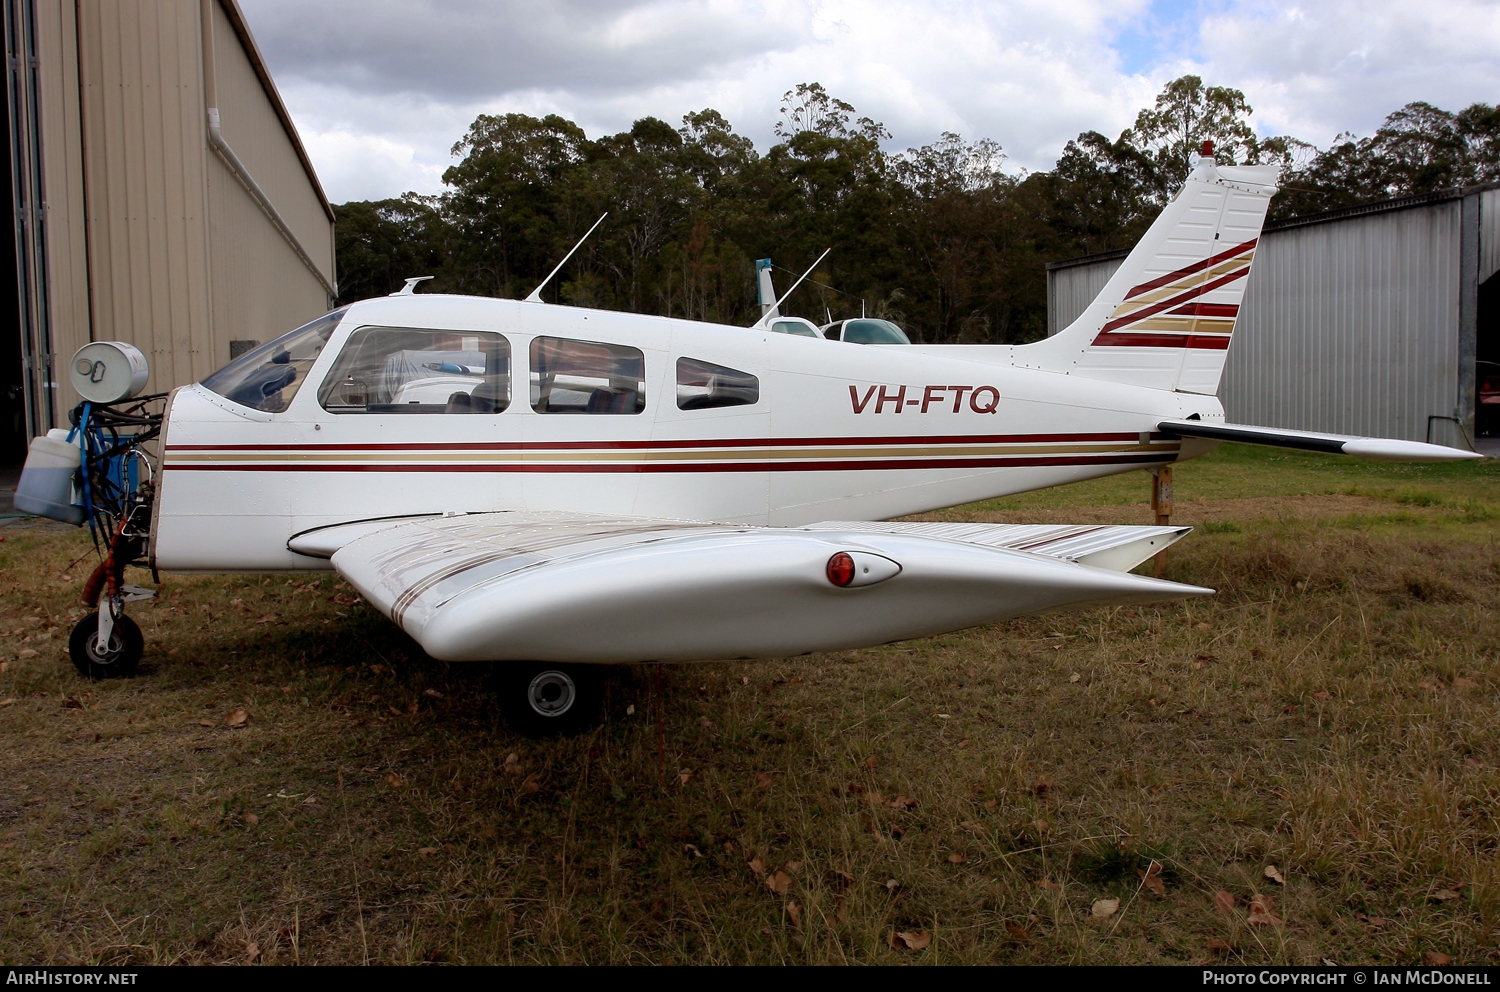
<point x="1375" y="449"/>
<point x="580" y="588"/>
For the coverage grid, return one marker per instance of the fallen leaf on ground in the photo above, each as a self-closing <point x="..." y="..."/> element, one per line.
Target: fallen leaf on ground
<point x="1223" y="901"/>
<point x="1105" y="908"/>
<point x="872" y="762"/>
<point x="237" y="719"/>
<point x="26" y="653"/>
<point x="377" y="669"/>
<point x="3" y="666"/>
<point x="1463" y="683"/>
<point x="532" y="784"/>
<point x="794" y="913"/>
<point x="411" y="707"/>
<point x="1217" y="946"/>
<point x="957" y="859"/>
<point x="1473" y="762"/>
<point x="683" y="775"/>
<point x="8" y="702"/>
<point x="907" y="940"/>
<point x="902" y="802"/>
<point x="1436" y="959"/>
<point x="1321" y="696"/>
<point x="205" y="722"/>
<point x="1075" y="677"/>
<point x="251" y="819"/>
<point x="1444" y="895"/>
<point x="433" y="693"/>
<point x="779" y="882"/>
<point x="1046" y="883"/>
<point x="892" y="886"/>
<point x="1261" y="913"/>
<point x="1274" y="874"/>
<point x="394" y="780"/>
<point x="763" y="779"/>
<point x="1042" y="784"/>
<point x="424" y="851"/>
<point x="252" y="951"/>
<point x="268" y="618"/>
<point x="1017" y="931"/>
<point x="972" y="827"/>
<point x="1153" y="880"/>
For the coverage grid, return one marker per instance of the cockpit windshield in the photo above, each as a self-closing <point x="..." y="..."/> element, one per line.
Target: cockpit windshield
<point x="267" y="377"/>
<point x="868" y="330"/>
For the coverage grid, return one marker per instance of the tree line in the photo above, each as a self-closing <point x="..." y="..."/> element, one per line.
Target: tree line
<point x="941" y="239"/>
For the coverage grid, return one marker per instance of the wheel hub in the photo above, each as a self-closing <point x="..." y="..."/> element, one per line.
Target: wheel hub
<point x="551" y="693"/>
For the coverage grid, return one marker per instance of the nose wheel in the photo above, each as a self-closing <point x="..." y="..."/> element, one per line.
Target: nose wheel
<point x="543" y="700"/>
<point x="106" y="654"/>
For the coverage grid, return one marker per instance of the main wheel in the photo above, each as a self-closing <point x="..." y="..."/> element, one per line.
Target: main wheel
<point x="546" y="700"/>
<point x="114" y="660"/>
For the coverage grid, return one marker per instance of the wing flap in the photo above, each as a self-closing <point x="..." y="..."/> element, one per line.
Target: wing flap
<point x="565" y="587"/>
<point x="1119" y="548"/>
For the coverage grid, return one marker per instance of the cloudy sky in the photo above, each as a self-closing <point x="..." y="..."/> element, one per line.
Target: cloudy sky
<point x="381" y="89"/>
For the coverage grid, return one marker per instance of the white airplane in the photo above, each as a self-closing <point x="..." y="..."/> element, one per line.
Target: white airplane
<point x="556" y="487"/>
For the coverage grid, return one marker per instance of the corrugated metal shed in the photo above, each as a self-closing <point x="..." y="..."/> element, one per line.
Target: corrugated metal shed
<point x="1357" y="321"/>
<point x="180" y="211"/>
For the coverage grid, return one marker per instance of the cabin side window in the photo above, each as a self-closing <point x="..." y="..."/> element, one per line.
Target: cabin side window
<point x="705" y="386"/>
<point x="415" y="370"/>
<point x="570" y="376"/>
<point x="269" y="376"/>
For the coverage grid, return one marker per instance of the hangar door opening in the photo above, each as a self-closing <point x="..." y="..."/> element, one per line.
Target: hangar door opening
<point x="1487" y="355"/>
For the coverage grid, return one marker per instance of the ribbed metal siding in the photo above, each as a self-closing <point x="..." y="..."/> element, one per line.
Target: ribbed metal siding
<point x="1489" y="233"/>
<point x="145" y="141"/>
<point x="255" y="132"/>
<point x="1070" y="290"/>
<point x="261" y="289"/>
<point x="1352" y="327"/>
<point x="1349" y="326"/>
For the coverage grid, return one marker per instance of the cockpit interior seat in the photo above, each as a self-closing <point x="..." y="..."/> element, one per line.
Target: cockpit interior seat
<point x="460" y="402"/>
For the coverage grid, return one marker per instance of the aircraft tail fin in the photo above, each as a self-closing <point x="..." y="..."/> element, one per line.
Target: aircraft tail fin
<point x="1165" y="318"/>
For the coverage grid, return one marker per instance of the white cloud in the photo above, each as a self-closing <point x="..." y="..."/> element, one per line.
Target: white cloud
<point x="382" y="89"/>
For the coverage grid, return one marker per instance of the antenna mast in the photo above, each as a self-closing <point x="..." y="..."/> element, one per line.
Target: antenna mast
<point x="536" y="294"/>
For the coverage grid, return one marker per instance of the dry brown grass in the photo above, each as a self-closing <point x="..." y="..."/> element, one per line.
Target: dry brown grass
<point x="1330" y="712"/>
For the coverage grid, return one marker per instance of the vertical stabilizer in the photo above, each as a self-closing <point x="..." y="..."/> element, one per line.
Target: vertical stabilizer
<point x="1165" y="318"/>
<point x="765" y="293"/>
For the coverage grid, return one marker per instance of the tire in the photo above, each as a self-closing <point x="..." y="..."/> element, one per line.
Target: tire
<point x="546" y="700"/>
<point x="126" y="645"/>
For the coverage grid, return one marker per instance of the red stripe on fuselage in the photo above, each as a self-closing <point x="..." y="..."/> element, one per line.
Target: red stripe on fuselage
<point x="1103" y="458"/>
<point x="1211" y="342"/>
<point x="748" y="442"/>
<point x="1157" y="308"/>
<point x="1188" y="270"/>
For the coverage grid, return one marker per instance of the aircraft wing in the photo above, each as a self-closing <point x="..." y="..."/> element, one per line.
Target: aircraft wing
<point x="1375" y="449"/>
<point x="568" y="587"/>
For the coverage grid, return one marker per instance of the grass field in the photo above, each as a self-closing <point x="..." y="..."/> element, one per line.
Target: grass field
<point x="1328" y="718"/>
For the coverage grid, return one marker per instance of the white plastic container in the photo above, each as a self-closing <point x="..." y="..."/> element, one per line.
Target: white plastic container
<point x="46" y="486"/>
<point x="108" y="371"/>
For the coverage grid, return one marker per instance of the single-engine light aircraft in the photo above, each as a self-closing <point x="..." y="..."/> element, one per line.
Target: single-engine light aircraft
<point x="555" y="487"/>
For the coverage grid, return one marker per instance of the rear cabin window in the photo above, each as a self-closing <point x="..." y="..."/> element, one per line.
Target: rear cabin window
<point x="267" y="377"/>
<point x="413" y="370"/>
<point x="704" y="386"/>
<point x="570" y="376"/>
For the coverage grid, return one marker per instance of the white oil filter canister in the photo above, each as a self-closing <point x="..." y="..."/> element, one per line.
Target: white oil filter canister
<point x="108" y="371"/>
